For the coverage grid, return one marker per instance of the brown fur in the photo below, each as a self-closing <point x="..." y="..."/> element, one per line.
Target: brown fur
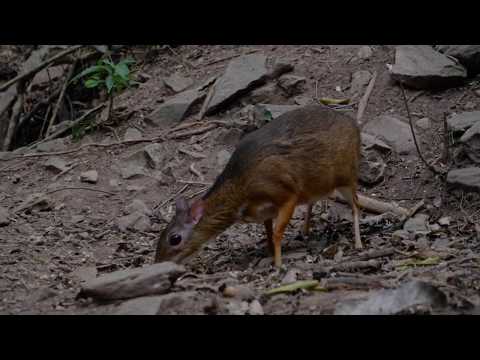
<point x="298" y="158"/>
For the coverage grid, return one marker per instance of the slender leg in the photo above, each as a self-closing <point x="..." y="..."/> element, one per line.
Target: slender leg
<point x="283" y="218"/>
<point x="350" y="196"/>
<point x="306" y="224"/>
<point x="269" y="230"/>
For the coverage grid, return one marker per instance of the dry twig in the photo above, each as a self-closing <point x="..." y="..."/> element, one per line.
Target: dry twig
<point x="364" y="101"/>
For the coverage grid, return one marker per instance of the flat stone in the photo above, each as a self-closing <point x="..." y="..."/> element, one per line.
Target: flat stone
<point x="241" y="75"/>
<point x="222" y="158"/>
<point x="132" y="134"/>
<point x="468" y="55"/>
<point x="444" y="221"/>
<point x="466" y="178"/>
<point x="421" y="67"/>
<point x="471" y="142"/>
<point x="36" y="201"/>
<point x="393" y="131"/>
<point x="175" y="109"/>
<point x="56" y="164"/>
<point x="370" y="142"/>
<point x="463" y="121"/>
<point x="4" y="217"/>
<point x="154" y="279"/>
<point x="255" y="308"/>
<point x="177" y="82"/>
<point x="90" y="176"/>
<point x="153" y="305"/>
<point x="130" y="171"/>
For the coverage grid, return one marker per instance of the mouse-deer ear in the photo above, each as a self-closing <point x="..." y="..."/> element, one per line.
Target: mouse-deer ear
<point x="196" y="211"/>
<point x="181" y="204"/>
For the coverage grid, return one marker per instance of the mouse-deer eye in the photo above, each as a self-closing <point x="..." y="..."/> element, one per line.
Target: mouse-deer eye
<point x="175" y="239"/>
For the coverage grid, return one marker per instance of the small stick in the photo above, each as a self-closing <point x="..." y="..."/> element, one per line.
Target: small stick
<point x="364" y="101"/>
<point x="17" y="107"/>
<point x="416" y="96"/>
<point x="196" y="193"/>
<point x="193" y="132"/>
<point x="39" y="67"/>
<point x="373" y="255"/>
<point x="431" y="167"/>
<point x="60" y="98"/>
<point x="65" y="171"/>
<point x="194" y="182"/>
<point x="79" y="188"/>
<point x="47" y="114"/>
<point x="196" y="172"/>
<point x="356" y="265"/>
<point x="211" y="91"/>
<point x="193" y="154"/>
<point x="171" y="197"/>
<point x="182" y="60"/>
<point x="446" y="140"/>
<point x="374" y="205"/>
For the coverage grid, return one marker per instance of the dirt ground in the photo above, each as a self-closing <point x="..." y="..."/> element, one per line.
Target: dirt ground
<point x="45" y="254"/>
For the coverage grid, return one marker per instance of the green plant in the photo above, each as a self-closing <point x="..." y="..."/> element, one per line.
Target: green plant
<point x="113" y="77"/>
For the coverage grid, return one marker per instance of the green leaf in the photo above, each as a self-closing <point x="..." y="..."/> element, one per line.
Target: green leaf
<point x="109" y="83"/>
<point x="307" y="284"/>
<point x="91" y="83"/>
<point x="87" y="71"/>
<point x="122" y="70"/>
<point x="433" y="260"/>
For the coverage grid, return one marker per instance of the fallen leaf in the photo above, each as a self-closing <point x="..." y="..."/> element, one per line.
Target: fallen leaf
<point x="307" y="284"/>
<point x="329" y="101"/>
<point x="434" y="260"/>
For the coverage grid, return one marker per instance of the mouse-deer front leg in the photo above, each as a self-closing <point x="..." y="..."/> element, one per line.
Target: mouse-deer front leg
<point x="283" y="218"/>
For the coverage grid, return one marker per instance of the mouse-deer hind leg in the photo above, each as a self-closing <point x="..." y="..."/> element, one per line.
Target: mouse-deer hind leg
<point x="350" y="195"/>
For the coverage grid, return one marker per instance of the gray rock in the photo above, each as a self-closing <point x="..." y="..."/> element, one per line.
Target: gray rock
<point x="400" y="235"/>
<point x="157" y="155"/>
<point x="466" y="178"/>
<point x="137" y="221"/>
<point x="132" y="134"/>
<point x="155" y="279"/>
<point x="370" y="142"/>
<point x="360" y="80"/>
<point x="291" y="84"/>
<point x="421" y="67"/>
<point x="90" y="176"/>
<point x="153" y="305"/>
<point x="405" y="299"/>
<point x="4" y="217"/>
<point x="365" y="52"/>
<point x="175" y="109"/>
<point x="44" y="77"/>
<point x="138" y="205"/>
<point x="177" y="82"/>
<point x="291" y="276"/>
<point x="463" y="121"/>
<point x="444" y="221"/>
<point x="255" y="308"/>
<point x="242" y="74"/>
<point x="222" y="158"/>
<point x="114" y="183"/>
<point x="372" y="168"/>
<point x="51" y="146"/>
<point x="471" y="141"/>
<point x="130" y="171"/>
<point x="237" y="307"/>
<point x="393" y="131"/>
<point x="423" y="123"/>
<point x="56" y="164"/>
<point x="468" y="55"/>
<point x="417" y="224"/>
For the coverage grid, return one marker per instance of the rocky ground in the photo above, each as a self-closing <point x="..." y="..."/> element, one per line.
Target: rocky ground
<point x="79" y="217"/>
